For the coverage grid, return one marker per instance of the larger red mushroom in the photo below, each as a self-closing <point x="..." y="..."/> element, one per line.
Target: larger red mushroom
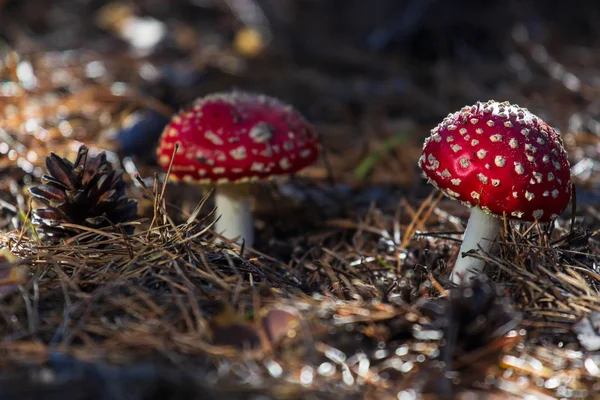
<point x="230" y="139"/>
<point x="500" y="160"/>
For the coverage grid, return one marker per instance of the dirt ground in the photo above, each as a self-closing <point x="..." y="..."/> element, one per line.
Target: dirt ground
<point x="346" y="291"/>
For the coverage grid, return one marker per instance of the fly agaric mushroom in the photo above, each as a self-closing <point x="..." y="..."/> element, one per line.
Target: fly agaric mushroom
<point x="230" y="139"/>
<point x="500" y="160"/>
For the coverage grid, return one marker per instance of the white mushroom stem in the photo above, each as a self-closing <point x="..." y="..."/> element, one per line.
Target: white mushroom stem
<point x="481" y="231"/>
<point x="235" y="221"/>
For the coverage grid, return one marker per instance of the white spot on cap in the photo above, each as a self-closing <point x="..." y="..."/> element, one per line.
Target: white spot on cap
<point x="481" y="154"/>
<point x="546" y="193"/>
<point x="479" y="131"/>
<point x="508" y="124"/>
<point x="436" y="137"/>
<point x="451" y="127"/>
<point x="256" y="166"/>
<point x="474" y="142"/>
<point x="519" y="168"/>
<point x="500" y="161"/>
<point x="515" y="195"/>
<point x="537" y="214"/>
<point x="462" y="131"/>
<point x="449" y="138"/>
<point x="540" y="140"/>
<point x="266" y="152"/>
<point x="433" y="166"/>
<point x="455" y="181"/>
<point x="305" y="153"/>
<point x="284" y="163"/>
<point x="546" y="159"/>
<point x="213" y="138"/>
<point x="557" y="165"/>
<point x="239" y="153"/>
<point x="172" y="132"/>
<point x="482" y="178"/>
<point x="490" y="123"/>
<point x="513" y="143"/>
<point x="464" y="162"/>
<point x="475" y="195"/>
<point x="164" y="160"/>
<point x="188" y="178"/>
<point x="456" y="148"/>
<point x="517" y="214"/>
<point x="452" y="193"/>
<point x="262" y="132"/>
<point x="496" y="138"/>
<point x="537" y="176"/>
<point x="446" y="174"/>
<point x="218" y="170"/>
<point x="555" y="193"/>
<point x="433" y="161"/>
<point x="496" y="182"/>
<point x="474" y="121"/>
<point x="525" y="132"/>
<point x="529" y="196"/>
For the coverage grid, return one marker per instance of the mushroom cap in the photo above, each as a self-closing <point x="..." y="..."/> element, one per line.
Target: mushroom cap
<point x="502" y="158"/>
<point x="237" y="137"/>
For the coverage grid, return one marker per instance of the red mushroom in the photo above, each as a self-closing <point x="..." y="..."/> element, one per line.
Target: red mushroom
<point x="500" y="160"/>
<point x="229" y="139"/>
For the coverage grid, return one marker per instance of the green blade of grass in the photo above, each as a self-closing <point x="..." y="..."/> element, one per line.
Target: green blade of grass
<point x="29" y="223"/>
<point x="362" y="171"/>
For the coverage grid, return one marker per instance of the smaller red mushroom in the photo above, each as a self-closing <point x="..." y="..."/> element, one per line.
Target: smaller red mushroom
<point x="500" y="160"/>
<point x="230" y="139"/>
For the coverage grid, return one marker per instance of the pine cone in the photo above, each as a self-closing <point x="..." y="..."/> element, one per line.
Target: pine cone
<point x="88" y="192"/>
